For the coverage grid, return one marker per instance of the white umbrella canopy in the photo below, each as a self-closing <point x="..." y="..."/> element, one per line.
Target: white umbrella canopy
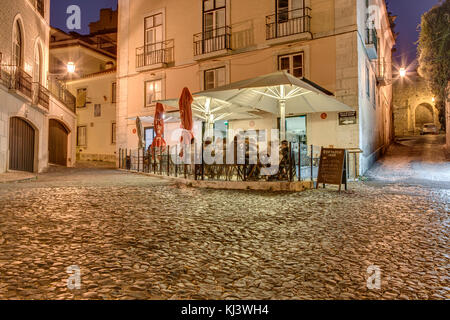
<point x="278" y="93"/>
<point x="211" y="110"/>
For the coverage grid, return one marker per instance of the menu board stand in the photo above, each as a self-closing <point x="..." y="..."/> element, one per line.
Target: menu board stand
<point x="332" y="168"/>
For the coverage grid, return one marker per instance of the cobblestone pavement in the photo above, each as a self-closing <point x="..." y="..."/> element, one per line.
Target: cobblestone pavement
<point x="136" y="237"/>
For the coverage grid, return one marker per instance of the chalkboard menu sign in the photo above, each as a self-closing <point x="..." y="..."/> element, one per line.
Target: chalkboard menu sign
<point x="332" y="167"/>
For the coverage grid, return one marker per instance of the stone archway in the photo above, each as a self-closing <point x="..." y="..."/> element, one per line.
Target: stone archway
<point x="423" y="113"/>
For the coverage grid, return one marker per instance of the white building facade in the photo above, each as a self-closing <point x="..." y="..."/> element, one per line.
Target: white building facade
<point x="343" y="46"/>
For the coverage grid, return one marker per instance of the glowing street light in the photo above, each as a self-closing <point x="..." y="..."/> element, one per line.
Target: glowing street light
<point x="402" y="72"/>
<point x="433" y="99"/>
<point x="70" y="67"/>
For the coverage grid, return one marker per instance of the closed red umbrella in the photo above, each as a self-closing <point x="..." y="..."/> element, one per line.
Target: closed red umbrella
<point x="158" y="124"/>
<point x="186" y="117"/>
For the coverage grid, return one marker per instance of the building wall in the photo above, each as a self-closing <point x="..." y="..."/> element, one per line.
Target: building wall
<point x="447" y="117"/>
<point x="99" y="146"/>
<point x="410" y="95"/>
<point x="35" y="30"/>
<point x="334" y="59"/>
<point x="375" y="107"/>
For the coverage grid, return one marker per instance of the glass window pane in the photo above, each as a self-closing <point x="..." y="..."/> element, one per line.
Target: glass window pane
<point x="208" y="5"/>
<point x="159" y="34"/>
<point x="297" y="4"/>
<point x="284" y="63"/>
<point x="296" y="129"/>
<point x="158" y="19"/>
<point x="149" y="22"/>
<point x="298" y="61"/>
<point x="220" y="77"/>
<point x="149" y="134"/>
<point x="220" y="3"/>
<point x="209" y="21"/>
<point x="149" y="93"/>
<point x="298" y="72"/>
<point x="220" y="20"/>
<point x="209" y="79"/>
<point x="283" y="5"/>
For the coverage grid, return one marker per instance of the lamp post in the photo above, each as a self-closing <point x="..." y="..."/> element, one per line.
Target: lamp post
<point x="402" y="72"/>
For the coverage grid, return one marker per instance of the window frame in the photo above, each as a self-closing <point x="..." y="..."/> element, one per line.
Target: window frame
<point x="114" y="92"/>
<point x="85" y="102"/>
<point x="99" y="106"/>
<point x="18" y="45"/>
<point x="216" y="84"/>
<point x="145" y="92"/>
<point x="214" y="10"/>
<point x="85" y="136"/>
<point x="291" y="63"/>
<point x="113" y="132"/>
<point x="154" y="27"/>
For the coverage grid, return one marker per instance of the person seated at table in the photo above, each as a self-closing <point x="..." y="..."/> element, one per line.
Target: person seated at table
<point x="283" y="172"/>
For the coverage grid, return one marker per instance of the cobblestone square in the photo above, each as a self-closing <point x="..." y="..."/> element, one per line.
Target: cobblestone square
<point x="135" y="237"/>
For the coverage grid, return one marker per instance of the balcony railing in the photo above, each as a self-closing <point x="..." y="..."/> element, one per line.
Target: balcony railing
<point x="20" y="81"/>
<point x="155" y="53"/>
<point x="212" y="40"/>
<point x="288" y="22"/>
<point x="41" y="95"/>
<point x="58" y="90"/>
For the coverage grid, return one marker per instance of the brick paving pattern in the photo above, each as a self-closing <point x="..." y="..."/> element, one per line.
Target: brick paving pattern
<point x="136" y="237"/>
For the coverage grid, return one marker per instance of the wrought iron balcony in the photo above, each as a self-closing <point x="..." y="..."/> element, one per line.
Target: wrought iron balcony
<point x="288" y="22"/>
<point x="212" y="41"/>
<point x="41" y="95"/>
<point x="58" y="90"/>
<point x="20" y="81"/>
<point x="372" y="43"/>
<point x="155" y="54"/>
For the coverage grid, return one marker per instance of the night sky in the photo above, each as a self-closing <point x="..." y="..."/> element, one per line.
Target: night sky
<point x="408" y="12"/>
<point x="90" y="11"/>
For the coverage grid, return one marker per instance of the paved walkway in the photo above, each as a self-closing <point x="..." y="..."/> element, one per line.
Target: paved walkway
<point x="136" y="237"/>
<point x="416" y="160"/>
<point x="16" y="176"/>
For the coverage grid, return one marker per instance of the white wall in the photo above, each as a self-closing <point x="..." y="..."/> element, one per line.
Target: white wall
<point x="99" y="129"/>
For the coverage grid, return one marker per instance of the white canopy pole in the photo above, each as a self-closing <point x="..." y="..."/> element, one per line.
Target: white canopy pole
<point x="282" y="105"/>
<point x="209" y="118"/>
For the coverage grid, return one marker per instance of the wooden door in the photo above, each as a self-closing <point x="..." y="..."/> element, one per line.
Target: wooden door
<point x="57" y="143"/>
<point x="21" y="145"/>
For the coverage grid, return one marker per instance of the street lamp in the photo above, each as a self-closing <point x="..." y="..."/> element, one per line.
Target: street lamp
<point x="433" y="99"/>
<point x="70" y="67"/>
<point x="402" y="72"/>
